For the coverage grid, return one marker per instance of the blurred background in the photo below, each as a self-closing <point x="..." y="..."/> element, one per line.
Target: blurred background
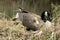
<point x="9" y="7"/>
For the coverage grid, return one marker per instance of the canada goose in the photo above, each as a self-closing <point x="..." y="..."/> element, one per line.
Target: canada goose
<point x="30" y="20"/>
<point x="47" y="18"/>
<point x="22" y="10"/>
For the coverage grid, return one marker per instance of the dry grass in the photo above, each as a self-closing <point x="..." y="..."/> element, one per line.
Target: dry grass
<point x="11" y="31"/>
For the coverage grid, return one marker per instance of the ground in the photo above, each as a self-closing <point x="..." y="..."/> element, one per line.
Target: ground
<point x="10" y="31"/>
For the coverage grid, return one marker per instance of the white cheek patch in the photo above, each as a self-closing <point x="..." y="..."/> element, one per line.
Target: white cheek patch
<point x="20" y="10"/>
<point x="17" y="15"/>
<point x="45" y="13"/>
